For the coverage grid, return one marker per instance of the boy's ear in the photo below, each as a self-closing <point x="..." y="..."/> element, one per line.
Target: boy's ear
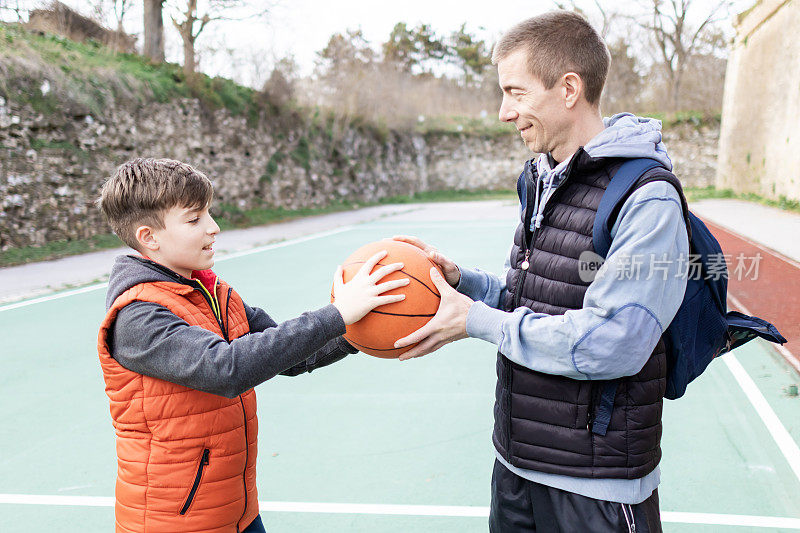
<point x="572" y="85"/>
<point x="146" y="238"/>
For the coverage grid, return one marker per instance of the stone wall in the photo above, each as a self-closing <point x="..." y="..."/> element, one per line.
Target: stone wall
<point x="51" y="167"/>
<point x="759" y="147"/>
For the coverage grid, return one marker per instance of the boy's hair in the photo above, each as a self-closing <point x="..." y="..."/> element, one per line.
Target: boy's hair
<point x="142" y="190"/>
<point x="556" y="43"/>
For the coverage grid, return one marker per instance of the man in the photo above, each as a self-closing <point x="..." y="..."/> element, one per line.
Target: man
<point x="560" y="336"/>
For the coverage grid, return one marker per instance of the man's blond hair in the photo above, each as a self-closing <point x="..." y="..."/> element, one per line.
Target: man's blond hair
<point x="556" y="43"/>
<point x="142" y="190"/>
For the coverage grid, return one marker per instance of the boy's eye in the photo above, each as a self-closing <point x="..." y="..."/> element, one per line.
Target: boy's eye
<point x="194" y="220"/>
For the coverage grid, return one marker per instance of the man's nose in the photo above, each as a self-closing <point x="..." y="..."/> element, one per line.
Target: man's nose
<point x="507" y="113"/>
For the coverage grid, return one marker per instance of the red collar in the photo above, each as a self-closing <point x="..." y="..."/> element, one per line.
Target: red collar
<point x="206" y="277"/>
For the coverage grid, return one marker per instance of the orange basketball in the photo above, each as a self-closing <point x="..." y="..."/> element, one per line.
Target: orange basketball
<point x="377" y="332"/>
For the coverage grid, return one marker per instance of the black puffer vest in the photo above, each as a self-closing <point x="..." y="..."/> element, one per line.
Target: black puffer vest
<point x="543" y="421"/>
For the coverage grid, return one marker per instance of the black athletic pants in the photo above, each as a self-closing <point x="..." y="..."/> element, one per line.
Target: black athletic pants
<point x="522" y="506"/>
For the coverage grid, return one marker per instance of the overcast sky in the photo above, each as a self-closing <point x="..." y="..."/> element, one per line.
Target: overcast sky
<point x="300" y="28"/>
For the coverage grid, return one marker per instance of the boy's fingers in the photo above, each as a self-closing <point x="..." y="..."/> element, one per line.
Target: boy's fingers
<point x="384" y="271"/>
<point x="394" y="284"/>
<point x="370" y="263"/>
<point x="338" y="277"/>
<point x="390" y="299"/>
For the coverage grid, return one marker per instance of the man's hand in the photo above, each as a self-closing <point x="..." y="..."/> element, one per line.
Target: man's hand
<point x="451" y="272"/>
<point x="362" y="293"/>
<point x="448" y="324"/>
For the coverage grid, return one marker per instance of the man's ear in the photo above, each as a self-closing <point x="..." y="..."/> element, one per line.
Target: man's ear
<point x="572" y="86"/>
<point x="146" y="238"/>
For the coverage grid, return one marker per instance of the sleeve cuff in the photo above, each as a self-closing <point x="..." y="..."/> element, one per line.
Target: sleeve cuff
<point x="472" y="283"/>
<point x="331" y="320"/>
<point x="484" y="322"/>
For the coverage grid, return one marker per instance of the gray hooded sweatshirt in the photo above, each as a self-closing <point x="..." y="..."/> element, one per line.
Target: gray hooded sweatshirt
<point x="149" y="339"/>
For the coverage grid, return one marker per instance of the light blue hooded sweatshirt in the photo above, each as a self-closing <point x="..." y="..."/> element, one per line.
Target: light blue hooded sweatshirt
<point x="626" y="307"/>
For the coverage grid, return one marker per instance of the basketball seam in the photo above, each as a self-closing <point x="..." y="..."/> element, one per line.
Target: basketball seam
<point x="400" y="314"/>
<point x="370" y="347"/>
<point x="403" y="271"/>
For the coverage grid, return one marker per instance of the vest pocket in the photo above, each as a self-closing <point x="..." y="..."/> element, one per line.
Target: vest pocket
<point x="196" y="484"/>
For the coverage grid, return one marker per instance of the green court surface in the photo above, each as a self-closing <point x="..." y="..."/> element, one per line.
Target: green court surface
<point x="372" y="445"/>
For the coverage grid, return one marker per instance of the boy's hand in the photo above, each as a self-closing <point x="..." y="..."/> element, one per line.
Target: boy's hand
<point x="362" y="294"/>
<point x="451" y="272"/>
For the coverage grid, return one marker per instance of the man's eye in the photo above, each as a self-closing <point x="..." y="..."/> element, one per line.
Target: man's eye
<point x="194" y="221"/>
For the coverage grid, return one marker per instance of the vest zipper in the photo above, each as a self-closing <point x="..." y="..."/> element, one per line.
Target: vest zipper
<point x="196" y="484"/>
<point x="524" y="266"/>
<point x="207" y="297"/>
<point x="227" y="306"/>
<point x="246" y="460"/>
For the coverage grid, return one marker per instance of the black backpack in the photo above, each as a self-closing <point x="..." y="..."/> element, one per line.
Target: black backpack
<point x="703" y="328"/>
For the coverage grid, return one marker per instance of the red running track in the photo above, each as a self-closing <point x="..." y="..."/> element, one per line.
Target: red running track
<point x="774" y="294"/>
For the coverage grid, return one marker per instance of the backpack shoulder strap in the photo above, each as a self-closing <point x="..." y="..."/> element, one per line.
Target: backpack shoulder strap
<point x="631" y="175"/>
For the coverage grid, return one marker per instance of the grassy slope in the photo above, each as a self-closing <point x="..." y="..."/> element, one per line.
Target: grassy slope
<point x="83" y="77"/>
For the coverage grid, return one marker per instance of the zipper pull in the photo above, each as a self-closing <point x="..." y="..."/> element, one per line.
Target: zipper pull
<point x="525" y="263"/>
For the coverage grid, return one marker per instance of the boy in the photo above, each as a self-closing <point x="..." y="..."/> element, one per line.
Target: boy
<point x="181" y="353"/>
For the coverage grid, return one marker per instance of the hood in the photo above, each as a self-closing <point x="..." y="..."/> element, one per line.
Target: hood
<point x="629" y="136"/>
<point x="130" y="270"/>
<point x="625" y="135"/>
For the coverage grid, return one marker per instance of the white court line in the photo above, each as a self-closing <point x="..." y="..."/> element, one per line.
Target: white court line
<point x="235" y="255"/>
<point x="409" y="510"/>
<point x="779" y="433"/>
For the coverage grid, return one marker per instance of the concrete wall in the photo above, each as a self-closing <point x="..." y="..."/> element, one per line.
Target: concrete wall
<point x="759" y="149"/>
<point x="52" y="166"/>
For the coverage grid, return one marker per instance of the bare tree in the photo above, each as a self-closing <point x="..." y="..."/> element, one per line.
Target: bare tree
<point x="14" y="6"/>
<point x="190" y="21"/>
<point x="154" y="30"/>
<point x="104" y="9"/>
<point x="677" y="39"/>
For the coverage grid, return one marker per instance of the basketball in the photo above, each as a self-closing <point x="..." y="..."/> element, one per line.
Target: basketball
<point x="376" y="333"/>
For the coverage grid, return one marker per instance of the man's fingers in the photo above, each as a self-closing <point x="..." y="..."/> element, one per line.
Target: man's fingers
<point x="384" y="271"/>
<point x="441" y="260"/>
<point x="415" y="337"/>
<point x="419" y="243"/>
<point x="423" y="348"/>
<point x="439" y="281"/>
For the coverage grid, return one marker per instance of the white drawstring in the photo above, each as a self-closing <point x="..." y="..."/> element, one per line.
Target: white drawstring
<point x="632" y="522"/>
<point x="538" y="206"/>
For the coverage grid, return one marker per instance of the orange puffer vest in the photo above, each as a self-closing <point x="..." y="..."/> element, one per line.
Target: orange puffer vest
<point x="186" y="459"/>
